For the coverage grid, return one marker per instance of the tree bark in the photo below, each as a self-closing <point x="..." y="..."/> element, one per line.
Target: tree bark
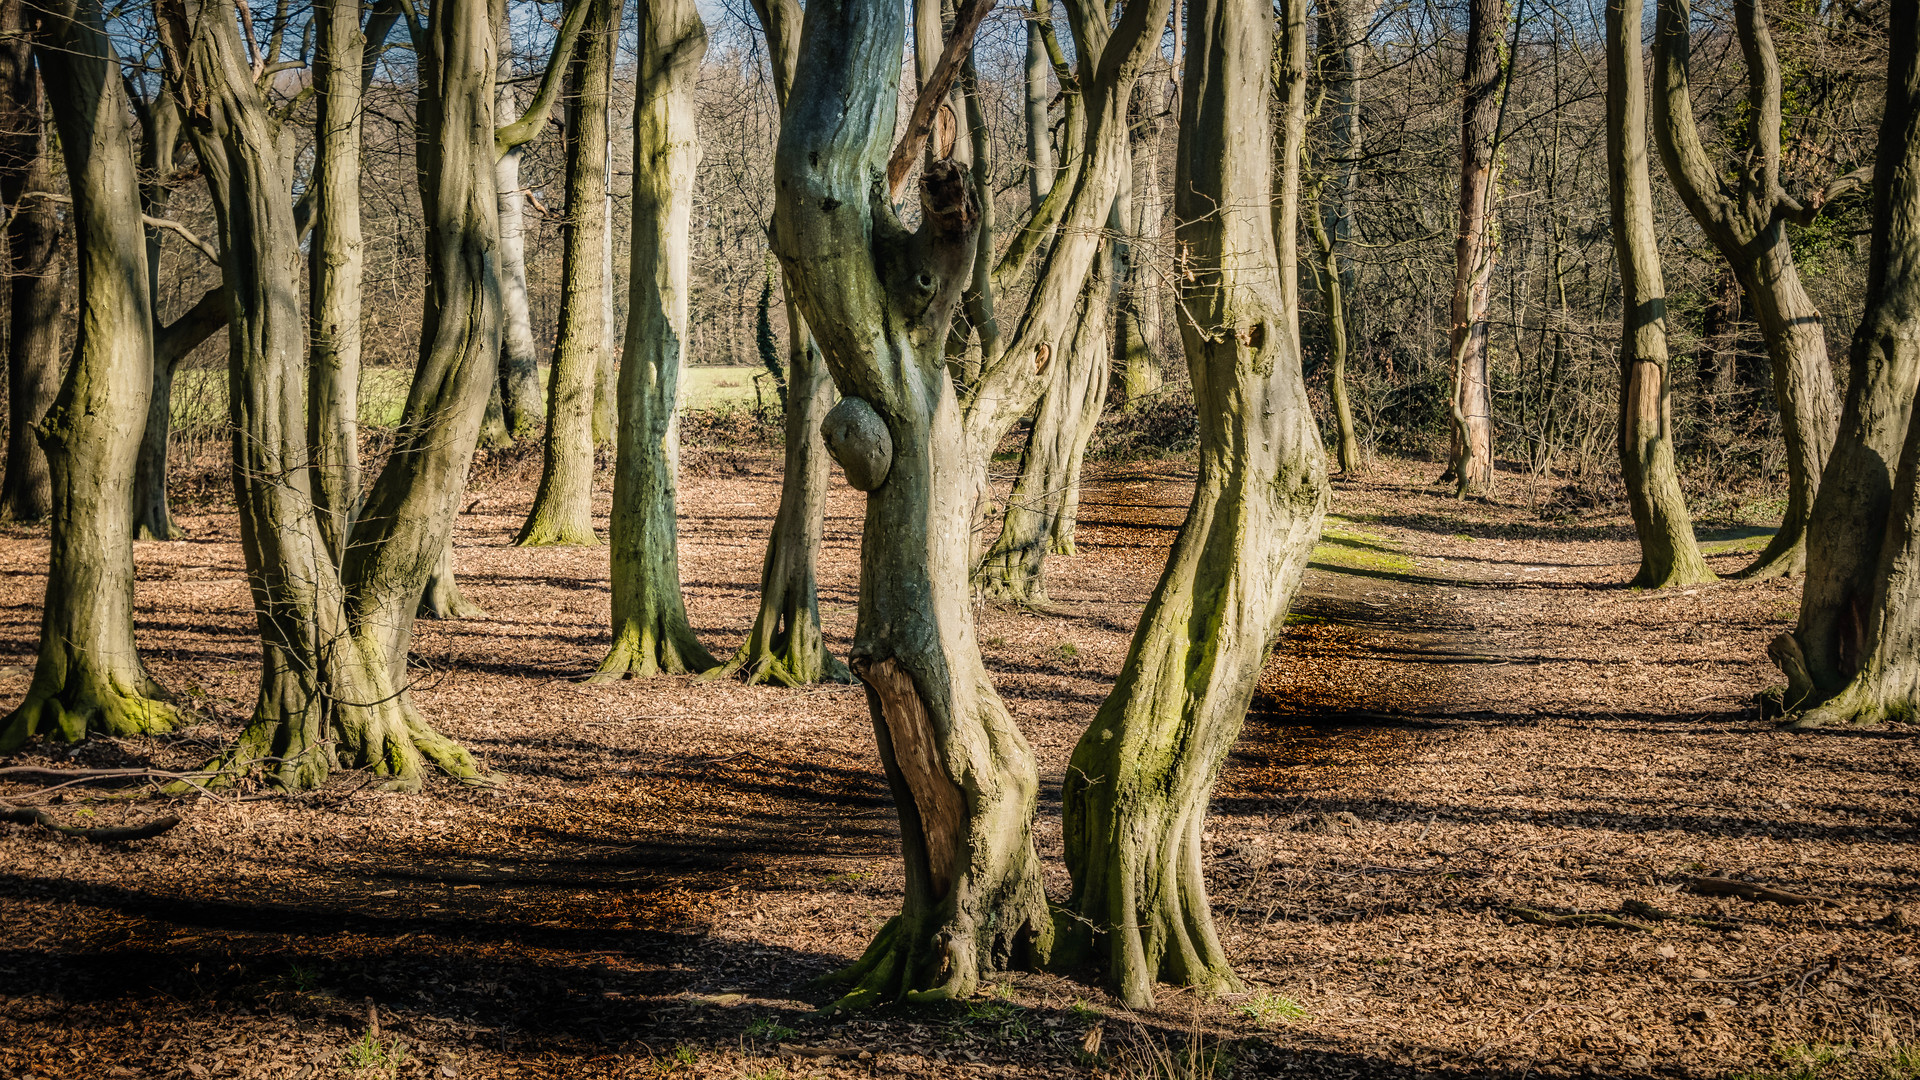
<point x="89" y="677"/>
<point x="563" y="506"/>
<point x="34" y="270"/>
<point x="1884" y="683"/>
<point x="160" y="135"/>
<point x="1470" y="459"/>
<point x="1746" y="216"/>
<point x="1669" y="554"/>
<point x="519" y="355"/>
<point x="880" y="300"/>
<point x="1136" y="791"/>
<point x="786" y="644"/>
<point x="651" y="634"/>
<point x="1344" y="26"/>
<point x="1136" y="318"/>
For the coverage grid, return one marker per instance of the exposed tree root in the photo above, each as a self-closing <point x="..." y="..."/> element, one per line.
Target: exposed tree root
<point x="75" y="714"/>
<point x="541" y="530"/>
<point x="444" y="600"/>
<point x="642" y="654"/>
<point x="1785" y="556"/>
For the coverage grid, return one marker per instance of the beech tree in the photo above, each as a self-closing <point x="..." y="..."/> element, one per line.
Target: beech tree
<point x="1343" y="26"/>
<point x="89" y="677"/>
<point x="335" y="633"/>
<point x="1880" y="662"/>
<point x="563" y="505"/>
<point x="786" y="644"/>
<point x="1470" y="456"/>
<point x="34" y="270"/>
<point x="651" y="634"/>
<point x="1669" y="555"/>
<point x="880" y="299"/>
<point x="1744" y="209"/>
<point x="1136" y="791"/>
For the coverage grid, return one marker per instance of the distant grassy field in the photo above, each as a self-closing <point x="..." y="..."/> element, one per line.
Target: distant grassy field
<point x="200" y="394"/>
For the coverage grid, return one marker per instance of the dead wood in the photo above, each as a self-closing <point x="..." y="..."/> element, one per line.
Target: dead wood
<point x="105" y="834"/>
<point x="1578" y="918"/>
<point x="1709" y="885"/>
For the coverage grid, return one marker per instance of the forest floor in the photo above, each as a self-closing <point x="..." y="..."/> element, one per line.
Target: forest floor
<point x="1470" y="720"/>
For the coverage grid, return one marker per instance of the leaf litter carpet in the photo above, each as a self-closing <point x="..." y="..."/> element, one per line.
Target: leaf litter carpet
<point x="1471" y="744"/>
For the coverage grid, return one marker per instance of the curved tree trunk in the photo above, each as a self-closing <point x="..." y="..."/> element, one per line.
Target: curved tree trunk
<point x="1040" y="511"/>
<point x="563" y="506"/>
<point x="89" y="677"/>
<point x="1884" y="680"/>
<point x="34" y="270"/>
<point x="1745" y="216"/>
<point x="160" y="135"/>
<point x="1136" y="791"/>
<point x="651" y="634"/>
<point x="1136" y="318"/>
<point x="1470" y="460"/>
<point x="1669" y="554"/>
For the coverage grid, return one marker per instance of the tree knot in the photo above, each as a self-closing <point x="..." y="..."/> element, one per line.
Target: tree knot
<point x="858" y="439"/>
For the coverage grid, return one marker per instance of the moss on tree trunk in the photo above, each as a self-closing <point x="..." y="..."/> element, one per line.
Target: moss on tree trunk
<point x="1136" y="791"/>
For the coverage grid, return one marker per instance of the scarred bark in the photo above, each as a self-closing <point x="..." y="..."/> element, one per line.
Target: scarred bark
<point x="880" y="300"/>
<point x="89" y="677"/>
<point x="34" y="270"/>
<point x="1744" y="211"/>
<point x="1136" y="791"/>
<point x="651" y="635"/>
<point x="1855" y="657"/>
<point x="1669" y="554"/>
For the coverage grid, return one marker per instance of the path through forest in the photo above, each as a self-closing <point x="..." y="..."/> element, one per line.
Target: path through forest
<point x="1469" y="721"/>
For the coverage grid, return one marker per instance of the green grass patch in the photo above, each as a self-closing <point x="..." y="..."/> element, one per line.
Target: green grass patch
<point x="1272" y="1010"/>
<point x="1343" y="545"/>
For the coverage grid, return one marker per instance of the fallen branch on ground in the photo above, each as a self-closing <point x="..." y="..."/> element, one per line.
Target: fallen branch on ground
<point x="1648" y="911"/>
<point x="1747" y="890"/>
<point x="104" y="834"/>
<point x="1578" y="918"/>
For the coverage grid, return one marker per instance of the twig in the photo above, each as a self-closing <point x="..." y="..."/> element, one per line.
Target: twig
<point x="1746" y="890"/>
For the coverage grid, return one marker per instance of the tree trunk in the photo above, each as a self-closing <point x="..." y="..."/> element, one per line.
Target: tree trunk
<point x="1470" y="460"/>
<point x="1744" y="211"/>
<point x="1045" y="500"/>
<point x="1668" y="553"/>
<point x="89" y="677"/>
<point x="563" y="507"/>
<point x="1137" y="788"/>
<point x="1343" y="33"/>
<point x="1329" y="274"/>
<point x="1034" y="103"/>
<point x="334" y="271"/>
<point x="880" y="301"/>
<point x="1884" y="680"/>
<point x="1136" y="319"/>
<point x="34" y="270"/>
<point x="519" y="355"/>
<point x="651" y="634"/>
<point x="160" y="135"/>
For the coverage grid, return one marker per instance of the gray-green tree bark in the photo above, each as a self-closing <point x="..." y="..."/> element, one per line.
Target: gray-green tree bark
<point x="89" y="677"/>
<point x="563" y="505"/>
<point x="880" y="299"/>
<point x="1137" y="788"/>
<point x="1884" y="683"/>
<point x="34" y="270"/>
<point x="335" y="635"/>
<point x="1669" y="554"/>
<point x="651" y="635"/>
<point x="1137" y="314"/>
<point x="1744" y="211"/>
<point x="1343" y="27"/>
<point x="1470" y="455"/>
<point x="160" y="137"/>
<point x="786" y="644"/>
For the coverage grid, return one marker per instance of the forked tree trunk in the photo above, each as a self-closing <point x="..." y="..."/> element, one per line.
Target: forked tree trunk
<point x="651" y="634"/>
<point x="880" y="301"/>
<point x="334" y="638"/>
<point x="1669" y="554"/>
<point x="89" y="678"/>
<point x="1470" y="458"/>
<point x="1744" y="211"/>
<point x="1885" y="681"/>
<point x="1137" y="788"/>
<point x="33" y="270"/>
<point x="1045" y="499"/>
<point x="563" y="506"/>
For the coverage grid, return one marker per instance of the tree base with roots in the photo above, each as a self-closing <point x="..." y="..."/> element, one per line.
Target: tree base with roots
<point x="71" y="715"/>
<point x="782" y="662"/>
<point x="656" y="649"/>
